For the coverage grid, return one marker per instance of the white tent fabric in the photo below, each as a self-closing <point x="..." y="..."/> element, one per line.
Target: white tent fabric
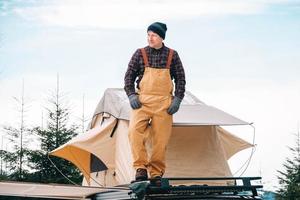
<point x="198" y="147"/>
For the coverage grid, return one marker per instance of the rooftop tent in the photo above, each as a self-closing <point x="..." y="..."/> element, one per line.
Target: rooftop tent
<point x="198" y="147"/>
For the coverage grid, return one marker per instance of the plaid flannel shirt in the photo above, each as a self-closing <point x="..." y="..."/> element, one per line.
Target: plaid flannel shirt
<point x="157" y="58"/>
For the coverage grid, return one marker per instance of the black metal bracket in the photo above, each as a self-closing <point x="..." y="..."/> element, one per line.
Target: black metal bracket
<point x="168" y="191"/>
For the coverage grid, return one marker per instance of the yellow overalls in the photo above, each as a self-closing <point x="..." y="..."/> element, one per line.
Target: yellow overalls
<point x="155" y="94"/>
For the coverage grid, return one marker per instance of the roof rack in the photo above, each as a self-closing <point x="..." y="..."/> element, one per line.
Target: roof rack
<point x="144" y="190"/>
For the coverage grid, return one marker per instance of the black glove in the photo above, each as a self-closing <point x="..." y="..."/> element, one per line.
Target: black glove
<point x="174" y="107"/>
<point x="134" y="101"/>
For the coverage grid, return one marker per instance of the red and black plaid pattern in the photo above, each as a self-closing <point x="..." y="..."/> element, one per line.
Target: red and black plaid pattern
<point x="157" y="58"/>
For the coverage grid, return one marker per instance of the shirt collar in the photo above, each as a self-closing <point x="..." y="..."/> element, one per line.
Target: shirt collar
<point x="157" y="50"/>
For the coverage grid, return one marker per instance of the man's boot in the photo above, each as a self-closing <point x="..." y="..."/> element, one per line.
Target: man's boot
<point x="141" y="175"/>
<point x="156" y="181"/>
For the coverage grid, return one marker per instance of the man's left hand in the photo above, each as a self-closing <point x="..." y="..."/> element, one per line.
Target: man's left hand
<point x="174" y="107"/>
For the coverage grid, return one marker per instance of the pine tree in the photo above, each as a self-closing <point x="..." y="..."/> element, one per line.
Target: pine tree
<point x="16" y="158"/>
<point x="289" y="179"/>
<point x="54" y="135"/>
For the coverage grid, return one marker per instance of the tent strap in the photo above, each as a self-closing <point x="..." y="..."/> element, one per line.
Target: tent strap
<point x="115" y="127"/>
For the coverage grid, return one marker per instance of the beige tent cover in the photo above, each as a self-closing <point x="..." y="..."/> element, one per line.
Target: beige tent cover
<point x="193" y="151"/>
<point x="53" y="191"/>
<point x="96" y="141"/>
<point x="201" y="151"/>
<point x="192" y="111"/>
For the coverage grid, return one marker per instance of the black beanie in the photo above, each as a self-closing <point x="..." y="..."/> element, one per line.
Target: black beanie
<point x="158" y="28"/>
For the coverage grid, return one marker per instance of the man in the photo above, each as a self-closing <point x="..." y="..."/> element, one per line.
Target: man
<point x="153" y="104"/>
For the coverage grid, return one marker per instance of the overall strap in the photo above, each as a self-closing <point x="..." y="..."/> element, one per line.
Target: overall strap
<point x="145" y="58"/>
<point x="171" y="52"/>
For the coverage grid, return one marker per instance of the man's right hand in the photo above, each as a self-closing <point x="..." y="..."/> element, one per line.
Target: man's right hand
<point x="134" y="101"/>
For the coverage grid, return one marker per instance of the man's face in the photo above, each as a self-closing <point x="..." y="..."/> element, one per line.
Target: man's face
<point x="154" y="40"/>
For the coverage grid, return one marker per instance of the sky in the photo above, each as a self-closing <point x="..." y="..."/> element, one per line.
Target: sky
<point x="241" y="56"/>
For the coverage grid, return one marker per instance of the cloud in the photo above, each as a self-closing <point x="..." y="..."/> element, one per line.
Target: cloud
<point x="132" y="13"/>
